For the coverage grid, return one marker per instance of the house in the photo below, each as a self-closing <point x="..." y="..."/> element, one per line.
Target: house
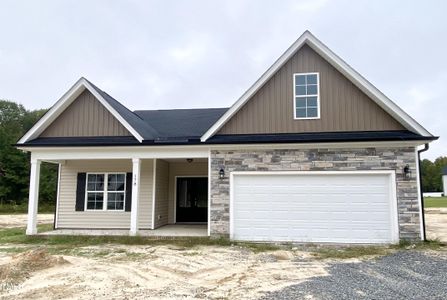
<point x="311" y="152"/>
<point x="444" y="181"/>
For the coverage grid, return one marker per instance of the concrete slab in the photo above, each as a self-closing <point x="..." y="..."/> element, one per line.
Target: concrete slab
<point x="164" y="231"/>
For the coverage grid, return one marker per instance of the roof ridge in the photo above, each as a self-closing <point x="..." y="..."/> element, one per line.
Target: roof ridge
<point x="177" y="109"/>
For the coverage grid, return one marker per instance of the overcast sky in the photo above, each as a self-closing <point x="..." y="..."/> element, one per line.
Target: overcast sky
<point x="183" y="54"/>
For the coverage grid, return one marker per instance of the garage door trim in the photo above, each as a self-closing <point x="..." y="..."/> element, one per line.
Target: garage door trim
<point x="390" y="173"/>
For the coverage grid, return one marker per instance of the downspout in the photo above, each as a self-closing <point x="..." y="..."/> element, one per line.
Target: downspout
<point x="420" y="184"/>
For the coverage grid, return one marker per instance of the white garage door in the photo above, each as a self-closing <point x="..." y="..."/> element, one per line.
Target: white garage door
<point x="339" y="207"/>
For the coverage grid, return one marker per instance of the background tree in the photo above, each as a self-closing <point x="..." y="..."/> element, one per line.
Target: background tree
<point x="15" y="120"/>
<point x="432" y="174"/>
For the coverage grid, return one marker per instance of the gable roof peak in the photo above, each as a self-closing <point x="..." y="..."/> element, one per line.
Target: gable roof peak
<point x="307" y="38"/>
<point x="134" y="124"/>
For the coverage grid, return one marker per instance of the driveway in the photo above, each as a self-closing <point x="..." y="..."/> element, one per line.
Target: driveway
<point x="402" y="275"/>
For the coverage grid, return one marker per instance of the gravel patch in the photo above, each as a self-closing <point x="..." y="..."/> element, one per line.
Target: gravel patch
<point x="402" y="275"/>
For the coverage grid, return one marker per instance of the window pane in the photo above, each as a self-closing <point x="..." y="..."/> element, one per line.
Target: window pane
<point x="300" y="112"/>
<point x="312" y="101"/>
<point x="120" y="186"/>
<point x="300" y="102"/>
<point x="120" y="177"/>
<point x="115" y="201"/>
<point x="115" y="182"/>
<point x="300" y="90"/>
<point x="312" y="113"/>
<point x="312" y="79"/>
<point x="312" y="89"/>
<point x="300" y="79"/>
<point x="95" y="200"/>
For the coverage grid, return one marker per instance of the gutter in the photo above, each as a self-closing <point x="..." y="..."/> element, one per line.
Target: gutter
<point x="426" y="147"/>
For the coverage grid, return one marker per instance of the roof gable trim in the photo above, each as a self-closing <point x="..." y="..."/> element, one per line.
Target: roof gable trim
<point x="64" y="102"/>
<point x="364" y="85"/>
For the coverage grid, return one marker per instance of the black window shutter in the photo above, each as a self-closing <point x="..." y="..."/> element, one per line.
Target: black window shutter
<point x="80" y="192"/>
<point x="128" y="204"/>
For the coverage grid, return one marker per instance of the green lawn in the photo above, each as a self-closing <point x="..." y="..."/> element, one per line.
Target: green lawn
<point x="435" y="202"/>
<point x="9" y="209"/>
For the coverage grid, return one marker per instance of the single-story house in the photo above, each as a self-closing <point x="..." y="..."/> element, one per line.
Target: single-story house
<point x="311" y="152"/>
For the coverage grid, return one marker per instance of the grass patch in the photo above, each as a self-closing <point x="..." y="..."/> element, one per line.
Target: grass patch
<point x="12" y="208"/>
<point x="430" y="202"/>
<point x="65" y="244"/>
<point x="349" y="252"/>
<point x="426" y="245"/>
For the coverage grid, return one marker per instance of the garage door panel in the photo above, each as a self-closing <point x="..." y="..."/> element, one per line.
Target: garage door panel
<point x="312" y="208"/>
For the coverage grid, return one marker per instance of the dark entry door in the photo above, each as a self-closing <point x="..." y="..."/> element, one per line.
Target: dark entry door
<point x="192" y="199"/>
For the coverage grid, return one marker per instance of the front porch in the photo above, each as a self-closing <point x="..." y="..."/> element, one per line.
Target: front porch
<point x="159" y="197"/>
<point x="174" y="230"/>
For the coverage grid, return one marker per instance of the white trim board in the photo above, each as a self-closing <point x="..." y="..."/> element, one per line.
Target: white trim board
<point x="364" y="85"/>
<point x="67" y="99"/>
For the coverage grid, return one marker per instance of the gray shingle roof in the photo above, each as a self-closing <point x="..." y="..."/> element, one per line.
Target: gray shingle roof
<point x="177" y="123"/>
<point x="142" y="127"/>
<point x="166" y="124"/>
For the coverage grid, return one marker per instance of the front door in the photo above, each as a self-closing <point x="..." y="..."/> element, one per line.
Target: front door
<point x="192" y="199"/>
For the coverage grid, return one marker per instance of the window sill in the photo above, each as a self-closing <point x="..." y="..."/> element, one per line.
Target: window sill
<point x="315" y="118"/>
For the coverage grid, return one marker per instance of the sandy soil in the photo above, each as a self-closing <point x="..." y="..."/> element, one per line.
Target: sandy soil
<point x="166" y="272"/>
<point x="19" y="220"/>
<point x="161" y="272"/>
<point x="436" y="223"/>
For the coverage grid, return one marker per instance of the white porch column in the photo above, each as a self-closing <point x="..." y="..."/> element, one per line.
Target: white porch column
<point x="33" y="197"/>
<point x="136" y="174"/>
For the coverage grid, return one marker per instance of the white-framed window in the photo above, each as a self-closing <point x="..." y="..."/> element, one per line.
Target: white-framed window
<point x="306" y="94"/>
<point x="105" y="191"/>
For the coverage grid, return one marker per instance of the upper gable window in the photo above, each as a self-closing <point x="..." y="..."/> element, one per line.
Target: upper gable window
<point x="307" y="95"/>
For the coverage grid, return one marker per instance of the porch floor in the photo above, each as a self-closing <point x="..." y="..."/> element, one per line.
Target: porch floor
<point x="164" y="231"/>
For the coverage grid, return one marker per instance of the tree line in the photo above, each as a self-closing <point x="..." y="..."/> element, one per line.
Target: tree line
<point x="15" y="121"/>
<point x="432" y="174"/>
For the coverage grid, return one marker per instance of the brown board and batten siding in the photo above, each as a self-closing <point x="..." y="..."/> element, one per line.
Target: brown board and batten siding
<point x="344" y="107"/>
<point x="68" y="217"/>
<point x="86" y="116"/>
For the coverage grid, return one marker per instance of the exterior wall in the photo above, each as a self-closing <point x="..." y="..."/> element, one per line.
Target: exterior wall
<point x="69" y="218"/>
<point x="182" y="169"/>
<point x="343" y="106"/>
<point x="146" y="188"/>
<point x="161" y="193"/>
<point x="317" y="160"/>
<point x="86" y="116"/>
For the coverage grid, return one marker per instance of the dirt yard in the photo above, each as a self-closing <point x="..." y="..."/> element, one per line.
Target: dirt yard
<point x="436" y="223"/>
<point x="159" y="272"/>
<point x="19" y="220"/>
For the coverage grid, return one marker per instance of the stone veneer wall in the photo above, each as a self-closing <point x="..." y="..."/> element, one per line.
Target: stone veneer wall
<point x="317" y="160"/>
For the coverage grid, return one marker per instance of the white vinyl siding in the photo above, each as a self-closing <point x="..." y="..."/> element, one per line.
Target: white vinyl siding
<point x="69" y="218"/>
<point x="161" y="193"/>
